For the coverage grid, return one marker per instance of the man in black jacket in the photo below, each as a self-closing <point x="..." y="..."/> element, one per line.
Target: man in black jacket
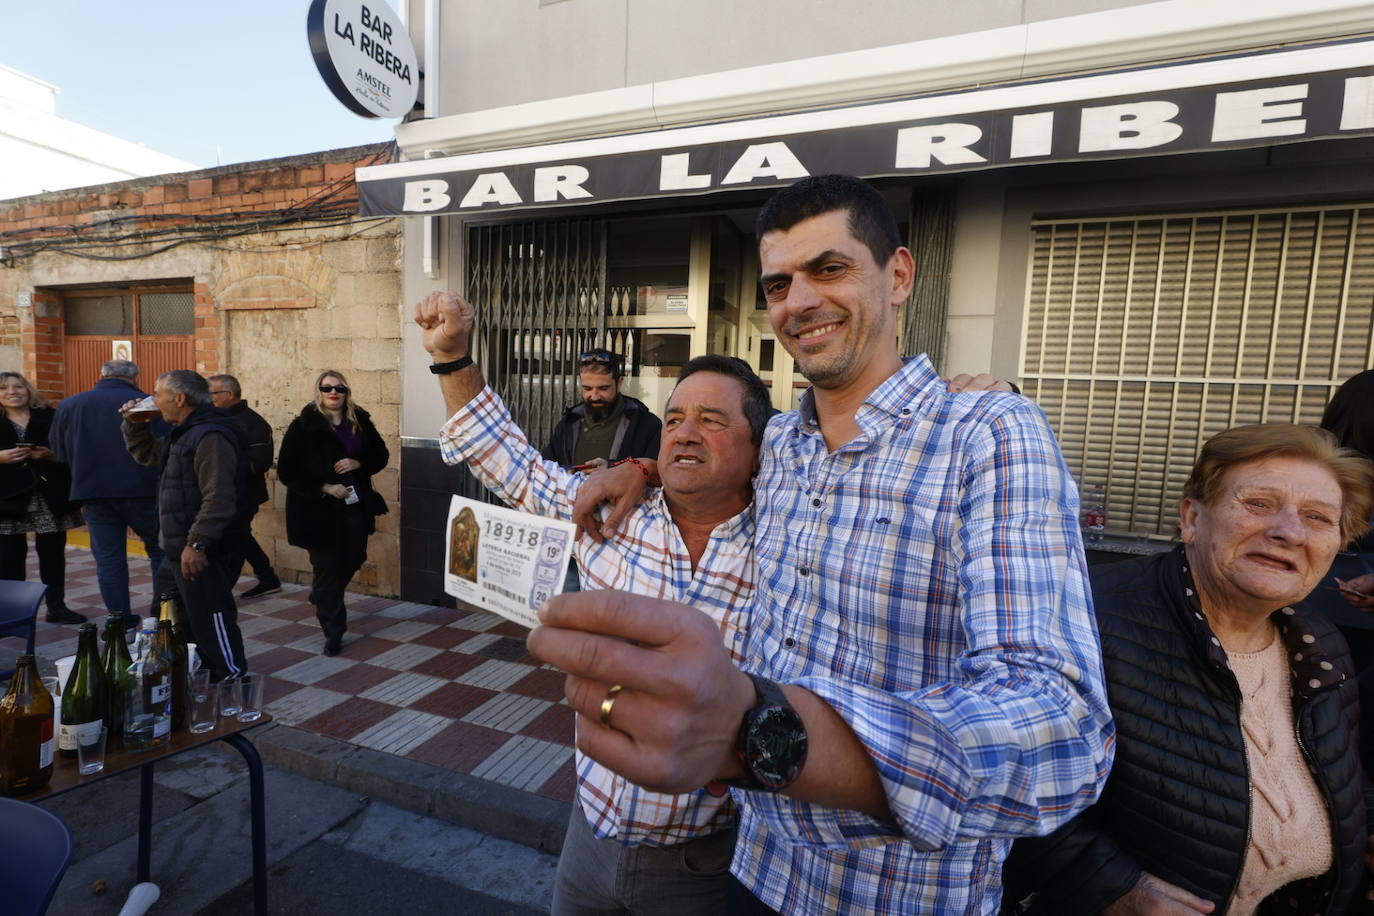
<point x="605" y="427"/>
<point x="227" y="395"/>
<point x="203" y="505"/>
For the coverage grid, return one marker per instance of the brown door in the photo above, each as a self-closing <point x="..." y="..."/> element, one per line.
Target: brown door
<point x="158" y="324"/>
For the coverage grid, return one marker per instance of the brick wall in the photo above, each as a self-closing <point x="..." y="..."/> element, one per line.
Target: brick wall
<point x="287" y="280"/>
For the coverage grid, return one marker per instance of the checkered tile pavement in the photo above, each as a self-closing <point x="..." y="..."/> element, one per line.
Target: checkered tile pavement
<point x="453" y="688"/>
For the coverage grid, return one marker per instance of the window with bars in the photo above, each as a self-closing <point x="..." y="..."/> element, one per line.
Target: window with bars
<point x="1145" y="336"/>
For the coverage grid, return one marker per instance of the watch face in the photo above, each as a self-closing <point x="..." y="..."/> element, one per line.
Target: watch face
<point x="776" y="746"/>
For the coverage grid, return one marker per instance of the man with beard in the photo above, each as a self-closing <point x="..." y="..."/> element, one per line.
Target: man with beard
<point x="607" y="425"/>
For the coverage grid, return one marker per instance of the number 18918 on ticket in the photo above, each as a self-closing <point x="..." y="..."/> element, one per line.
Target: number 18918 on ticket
<point x="505" y="561"/>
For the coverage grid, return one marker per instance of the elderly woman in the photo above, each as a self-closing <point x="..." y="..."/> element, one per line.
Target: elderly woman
<point x="35" y="495"/>
<point x="328" y="456"/>
<point x="1237" y="786"/>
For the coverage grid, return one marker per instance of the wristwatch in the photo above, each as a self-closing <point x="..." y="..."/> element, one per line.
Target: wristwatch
<point x="198" y="547"/>
<point x="771" y="744"/>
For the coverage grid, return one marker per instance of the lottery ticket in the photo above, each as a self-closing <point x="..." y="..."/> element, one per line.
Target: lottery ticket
<point x="505" y="561"/>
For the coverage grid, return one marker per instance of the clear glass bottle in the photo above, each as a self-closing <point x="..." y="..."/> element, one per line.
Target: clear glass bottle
<point x="148" y="702"/>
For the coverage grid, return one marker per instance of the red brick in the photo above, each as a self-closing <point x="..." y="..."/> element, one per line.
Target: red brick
<point x="198" y="188"/>
<point x="313" y="174"/>
<point x="154" y="195"/>
<point x="336" y="171"/>
<point x="227" y="184"/>
<point x="175" y="193"/>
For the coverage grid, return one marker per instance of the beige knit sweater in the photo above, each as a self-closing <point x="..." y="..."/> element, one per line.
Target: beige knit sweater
<point x="1290" y="831"/>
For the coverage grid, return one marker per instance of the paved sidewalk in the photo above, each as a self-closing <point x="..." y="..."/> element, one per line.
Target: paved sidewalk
<point x="451" y="691"/>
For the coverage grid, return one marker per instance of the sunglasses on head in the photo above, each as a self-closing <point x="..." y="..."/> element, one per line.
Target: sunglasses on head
<point x="341" y="389"/>
<point x="599" y="357"/>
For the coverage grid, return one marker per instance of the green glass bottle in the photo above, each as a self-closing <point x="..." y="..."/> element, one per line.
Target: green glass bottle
<point x="115" y="663"/>
<point x="167" y="643"/>
<point x="84" y="703"/>
<point x="26" y="731"/>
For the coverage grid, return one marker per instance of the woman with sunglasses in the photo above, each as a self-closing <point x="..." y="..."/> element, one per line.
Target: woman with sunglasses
<point x="328" y="456"/>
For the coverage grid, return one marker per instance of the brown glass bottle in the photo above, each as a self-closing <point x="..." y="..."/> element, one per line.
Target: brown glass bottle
<point x="169" y="608"/>
<point x="166" y="642"/>
<point x="26" y="731"/>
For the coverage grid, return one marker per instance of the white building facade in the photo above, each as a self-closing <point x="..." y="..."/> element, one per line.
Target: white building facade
<point x="41" y="151"/>
<point x="1159" y="217"/>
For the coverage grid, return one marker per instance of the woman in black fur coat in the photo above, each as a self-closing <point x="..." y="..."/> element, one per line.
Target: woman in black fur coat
<point x="328" y="457"/>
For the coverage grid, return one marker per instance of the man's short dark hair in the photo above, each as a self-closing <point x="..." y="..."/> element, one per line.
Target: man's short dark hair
<point x="870" y="220"/>
<point x="229" y="382"/>
<point x="192" y="384"/>
<point x="757" y="405"/>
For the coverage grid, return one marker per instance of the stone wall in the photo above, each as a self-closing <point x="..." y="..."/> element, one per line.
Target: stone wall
<point x="288" y="282"/>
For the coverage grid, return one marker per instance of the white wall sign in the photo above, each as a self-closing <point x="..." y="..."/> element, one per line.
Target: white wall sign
<point x="364" y="54"/>
<point x="122" y="349"/>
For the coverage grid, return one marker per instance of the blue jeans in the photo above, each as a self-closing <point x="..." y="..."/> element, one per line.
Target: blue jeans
<point x="106" y="522"/>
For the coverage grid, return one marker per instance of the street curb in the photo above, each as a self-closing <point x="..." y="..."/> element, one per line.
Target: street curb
<point x="477" y="804"/>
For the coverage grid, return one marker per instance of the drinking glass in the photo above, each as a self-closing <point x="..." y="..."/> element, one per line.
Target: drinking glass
<point x="90" y="751"/>
<point x="250" y="696"/>
<point x="204" y="702"/>
<point x="230" y="698"/>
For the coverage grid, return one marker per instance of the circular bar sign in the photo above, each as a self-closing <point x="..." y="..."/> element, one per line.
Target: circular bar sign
<point x="364" y="54"/>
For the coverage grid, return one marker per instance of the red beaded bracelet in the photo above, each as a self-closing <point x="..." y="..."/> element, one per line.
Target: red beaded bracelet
<point x="648" y="481"/>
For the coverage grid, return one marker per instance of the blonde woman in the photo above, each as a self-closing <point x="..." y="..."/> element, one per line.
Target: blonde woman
<point x="35" y="495"/>
<point x="328" y="457"/>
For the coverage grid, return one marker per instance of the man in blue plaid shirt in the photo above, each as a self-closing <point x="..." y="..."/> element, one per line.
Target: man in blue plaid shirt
<point x="921" y="604"/>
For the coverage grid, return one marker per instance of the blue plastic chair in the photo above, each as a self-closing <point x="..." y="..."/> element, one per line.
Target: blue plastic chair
<point x="35" y="847"/>
<point x="19" y="612"/>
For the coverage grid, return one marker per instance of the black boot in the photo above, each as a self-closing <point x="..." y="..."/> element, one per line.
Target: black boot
<point x="60" y="613"/>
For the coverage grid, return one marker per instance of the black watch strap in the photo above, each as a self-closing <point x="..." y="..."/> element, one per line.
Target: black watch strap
<point x="452" y="365"/>
<point x="771" y="722"/>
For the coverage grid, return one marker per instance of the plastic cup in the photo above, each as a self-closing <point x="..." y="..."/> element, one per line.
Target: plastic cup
<point x="204" y="702"/>
<point x="250" y="696"/>
<point x="230" y="698"/>
<point x="192" y="657"/>
<point x="53" y="685"/>
<point x="90" y="751"/>
<point x="64" y="668"/>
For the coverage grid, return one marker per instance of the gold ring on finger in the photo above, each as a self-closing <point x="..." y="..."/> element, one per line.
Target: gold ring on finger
<point x="608" y="704"/>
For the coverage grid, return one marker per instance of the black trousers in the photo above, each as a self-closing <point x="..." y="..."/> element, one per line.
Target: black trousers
<point x="208" y="602"/>
<point x="52" y="562"/>
<point x="334" y="565"/>
<point x="254" y="554"/>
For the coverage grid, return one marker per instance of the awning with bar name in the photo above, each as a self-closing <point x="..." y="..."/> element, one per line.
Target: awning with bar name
<point x="1262" y="99"/>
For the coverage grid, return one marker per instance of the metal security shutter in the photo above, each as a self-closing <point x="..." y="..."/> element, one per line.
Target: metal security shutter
<point x="539" y="290"/>
<point x="1145" y="336"/>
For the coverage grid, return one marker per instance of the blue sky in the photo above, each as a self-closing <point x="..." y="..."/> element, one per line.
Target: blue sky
<point x="208" y="81"/>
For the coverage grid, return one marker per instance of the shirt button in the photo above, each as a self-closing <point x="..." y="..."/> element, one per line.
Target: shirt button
<point x="804" y="571"/>
<point x="789" y="642"/>
<point x="816" y="503"/>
